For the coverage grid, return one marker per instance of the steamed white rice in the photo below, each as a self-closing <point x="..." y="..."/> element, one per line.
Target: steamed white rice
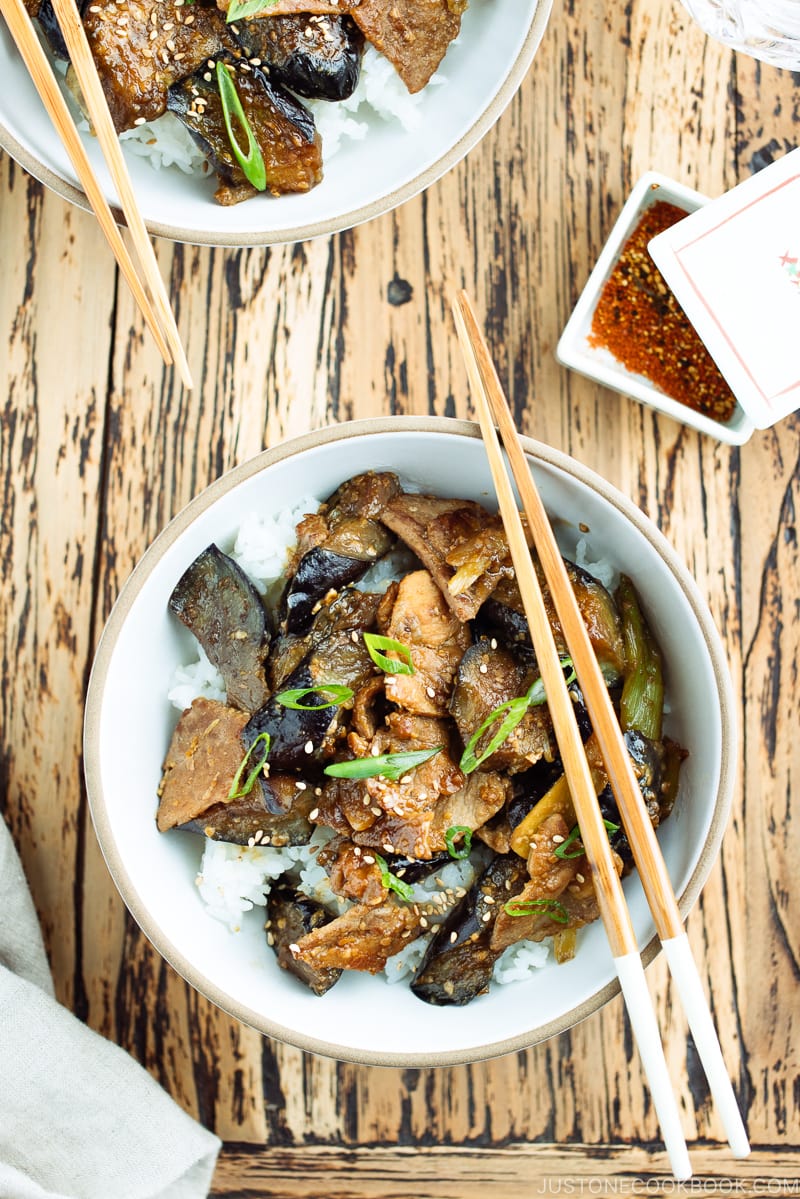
<point x="233" y="880"/>
<point x="380" y="93"/>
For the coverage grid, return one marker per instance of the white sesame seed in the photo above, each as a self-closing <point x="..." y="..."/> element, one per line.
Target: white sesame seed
<point x="423" y="923"/>
<point x="140" y="121"/>
<point x="309" y="747"/>
<point x="313" y="815"/>
<point x="300" y="785"/>
<point x="557" y="839"/>
<point x="259" y="833"/>
<point x="483" y="668"/>
<point x="430" y="692"/>
<point x="376" y="811"/>
<point x="375" y="751"/>
<point x="318" y="791"/>
<point x="493" y="643"/>
<point x="453" y="937"/>
<point x="251" y="841"/>
<point x="294" y="950"/>
<point x="579" y="878"/>
<point x="368" y="860"/>
<point x="486" y="917"/>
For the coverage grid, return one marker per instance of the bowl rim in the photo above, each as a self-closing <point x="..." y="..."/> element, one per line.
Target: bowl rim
<point x="358" y="215"/>
<point x="535" y="451"/>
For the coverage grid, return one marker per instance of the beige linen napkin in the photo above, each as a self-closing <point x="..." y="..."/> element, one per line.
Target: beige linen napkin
<point x="79" y="1119"/>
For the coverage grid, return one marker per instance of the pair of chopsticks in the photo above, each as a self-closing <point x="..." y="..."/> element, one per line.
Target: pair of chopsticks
<point x="493" y="410"/>
<point x="149" y="292"/>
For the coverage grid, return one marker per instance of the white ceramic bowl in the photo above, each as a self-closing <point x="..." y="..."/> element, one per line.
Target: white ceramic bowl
<point x="574" y="349"/>
<point x="366" y="178"/>
<point x="129" y="723"/>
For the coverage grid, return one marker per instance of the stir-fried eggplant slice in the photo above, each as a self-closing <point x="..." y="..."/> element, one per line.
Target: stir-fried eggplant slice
<point x="487" y="678"/>
<point x="363" y="938"/>
<point x="291" y="915"/>
<point x="316" y="56"/>
<point x="143" y="47"/>
<point x="283" y="130"/>
<point x="349" y="611"/>
<point x="243" y="821"/>
<point x="215" y="600"/>
<point x="337" y="545"/>
<point x="504" y="617"/>
<point x="300" y="737"/>
<point x="201" y="762"/>
<point x="459" y="960"/>
<point x="45" y="14"/>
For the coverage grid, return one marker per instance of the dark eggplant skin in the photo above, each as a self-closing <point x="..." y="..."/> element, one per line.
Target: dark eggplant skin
<point x="52" y="30"/>
<point x="300" y="738"/>
<point x="238" y="822"/>
<point x="413" y="870"/>
<point x="351" y="611"/>
<point x="454" y="972"/>
<point x="282" y="127"/>
<point x="215" y="600"/>
<point x="319" y="58"/>
<point x="290" y="916"/>
<point x="319" y="572"/>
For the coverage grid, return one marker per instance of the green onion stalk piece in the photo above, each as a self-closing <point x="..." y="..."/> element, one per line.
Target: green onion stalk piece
<point x="251" y="162"/>
<point x="401" y="665"/>
<point x="291" y="699"/>
<point x="392" y="882"/>
<point x="388" y="766"/>
<point x="458" y="830"/>
<point x="538" y="907"/>
<point x="239" y="9"/>
<point x="237" y="792"/>
<point x="642" y="702"/>
<point x="572" y="848"/>
<point x="510" y="714"/>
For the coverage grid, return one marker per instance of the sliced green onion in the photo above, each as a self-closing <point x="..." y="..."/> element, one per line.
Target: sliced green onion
<point x="458" y="830"/>
<point x="510" y="714"/>
<point x="252" y="162"/>
<point x="236" y="792"/>
<point x="392" y="882"/>
<point x="402" y="665"/>
<point x="561" y="850"/>
<point x="239" y="9"/>
<point x="291" y="699"/>
<point x="538" y="907"/>
<point x="389" y="766"/>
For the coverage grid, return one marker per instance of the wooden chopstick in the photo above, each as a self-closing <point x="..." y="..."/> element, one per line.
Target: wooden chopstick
<point x="44" y="80"/>
<point x="641" y="835"/>
<point x="86" y="71"/>
<point x="608" y="889"/>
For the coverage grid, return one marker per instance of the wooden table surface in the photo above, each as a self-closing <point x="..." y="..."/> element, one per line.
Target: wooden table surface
<point x="100" y="447"/>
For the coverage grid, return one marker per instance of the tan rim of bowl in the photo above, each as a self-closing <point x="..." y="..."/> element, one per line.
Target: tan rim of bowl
<point x="538" y="453"/>
<point x="357" y="215"/>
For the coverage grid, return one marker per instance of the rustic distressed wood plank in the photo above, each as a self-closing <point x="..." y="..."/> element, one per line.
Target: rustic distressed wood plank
<point x="468" y="1173"/>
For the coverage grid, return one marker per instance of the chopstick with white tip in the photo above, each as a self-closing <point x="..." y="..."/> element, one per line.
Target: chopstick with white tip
<point x="44" y="80"/>
<point x="608" y="888"/>
<point x="85" y="69"/>
<point x="638" y="828"/>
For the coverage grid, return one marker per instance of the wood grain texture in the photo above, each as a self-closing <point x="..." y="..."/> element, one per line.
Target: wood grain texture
<point x="100" y="447"/>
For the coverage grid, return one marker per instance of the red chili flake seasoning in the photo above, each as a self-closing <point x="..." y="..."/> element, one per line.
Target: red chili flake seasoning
<point x="640" y="322"/>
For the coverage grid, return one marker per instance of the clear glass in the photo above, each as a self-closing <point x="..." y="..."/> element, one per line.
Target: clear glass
<point x="765" y="29"/>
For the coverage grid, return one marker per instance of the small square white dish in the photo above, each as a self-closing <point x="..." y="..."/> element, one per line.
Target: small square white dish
<point x="575" y="351"/>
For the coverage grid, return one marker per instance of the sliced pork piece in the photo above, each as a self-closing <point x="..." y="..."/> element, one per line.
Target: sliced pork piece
<point x="337" y="545"/>
<point x="204" y="754"/>
<point x="353" y="873"/>
<point x="215" y="600"/>
<point x="422" y="620"/>
<point x="489" y="677"/>
<point x="364" y="938"/>
<point x="274" y="8"/>
<point x="143" y="47"/>
<point x="434" y="529"/>
<point x="315" y="56"/>
<point x="566" y="885"/>
<point x="413" y="34"/>
<point x="291" y="915"/>
<point x="283" y="130"/>
<point x="460" y="958"/>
